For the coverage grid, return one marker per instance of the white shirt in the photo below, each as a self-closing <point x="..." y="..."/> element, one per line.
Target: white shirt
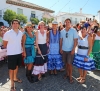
<point x="14" y="42"/>
<point x="97" y="37"/>
<point x="41" y="38"/>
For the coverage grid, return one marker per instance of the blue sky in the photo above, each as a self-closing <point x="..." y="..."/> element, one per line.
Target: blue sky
<point x="89" y="6"/>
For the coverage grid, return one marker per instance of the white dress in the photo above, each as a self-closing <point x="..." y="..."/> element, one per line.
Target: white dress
<point x="79" y="62"/>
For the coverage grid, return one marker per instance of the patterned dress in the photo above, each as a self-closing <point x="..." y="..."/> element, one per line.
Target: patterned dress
<point x="29" y="48"/>
<point x="54" y="58"/>
<point x="96" y="52"/>
<point x="81" y="54"/>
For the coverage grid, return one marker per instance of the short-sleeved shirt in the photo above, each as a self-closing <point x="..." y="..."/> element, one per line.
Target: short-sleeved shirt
<point x="68" y="43"/>
<point x="14" y="42"/>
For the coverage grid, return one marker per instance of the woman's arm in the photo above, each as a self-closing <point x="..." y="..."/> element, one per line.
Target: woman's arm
<point x="39" y="51"/>
<point x="23" y="44"/>
<point x="90" y="45"/>
<point x="48" y="36"/>
<point x="93" y="39"/>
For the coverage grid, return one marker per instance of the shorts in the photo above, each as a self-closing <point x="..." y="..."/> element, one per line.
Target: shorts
<point x="14" y="60"/>
<point x="67" y="57"/>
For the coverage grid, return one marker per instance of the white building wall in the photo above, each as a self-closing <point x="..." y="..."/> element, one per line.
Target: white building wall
<point x="76" y="16"/>
<point x="26" y="11"/>
<point x="74" y="19"/>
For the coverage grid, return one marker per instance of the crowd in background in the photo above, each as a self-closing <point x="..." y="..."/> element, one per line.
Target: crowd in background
<point x="51" y="48"/>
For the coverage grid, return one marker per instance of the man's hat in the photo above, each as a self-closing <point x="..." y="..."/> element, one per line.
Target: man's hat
<point x="54" y="22"/>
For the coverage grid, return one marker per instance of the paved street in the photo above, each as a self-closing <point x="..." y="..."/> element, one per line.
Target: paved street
<point x="50" y="83"/>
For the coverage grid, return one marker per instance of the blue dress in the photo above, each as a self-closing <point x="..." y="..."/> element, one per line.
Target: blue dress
<point x="54" y="58"/>
<point x="29" y="48"/>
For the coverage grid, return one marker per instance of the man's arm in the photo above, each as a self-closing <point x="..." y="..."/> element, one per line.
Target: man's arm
<point x="5" y="43"/>
<point x="61" y="39"/>
<point x="75" y="41"/>
<point x="74" y="47"/>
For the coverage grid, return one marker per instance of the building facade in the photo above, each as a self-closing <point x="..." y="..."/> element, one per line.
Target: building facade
<point x="76" y="17"/>
<point x="22" y="7"/>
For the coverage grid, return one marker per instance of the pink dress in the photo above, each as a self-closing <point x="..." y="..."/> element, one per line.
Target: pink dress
<point x="3" y="53"/>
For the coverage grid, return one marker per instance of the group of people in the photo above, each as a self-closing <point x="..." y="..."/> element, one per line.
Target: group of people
<point x="52" y="50"/>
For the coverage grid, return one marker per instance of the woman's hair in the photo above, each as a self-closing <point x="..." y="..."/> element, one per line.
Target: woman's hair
<point x="41" y="22"/>
<point x="28" y="24"/>
<point x="83" y="27"/>
<point x="95" y="29"/>
<point x="77" y="24"/>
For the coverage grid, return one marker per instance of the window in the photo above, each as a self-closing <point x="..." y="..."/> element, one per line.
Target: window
<point x="32" y="14"/>
<point x="71" y="18"/>
<point x="63" y="19"/>
<point x="75" y="20"/>
<point x="19" y="11"/>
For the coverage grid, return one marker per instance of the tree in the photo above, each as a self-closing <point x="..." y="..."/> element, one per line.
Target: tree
<point x="51" y="19"/>
<point x="22" y="18"/>
<point x="46" y="20"/>
<point x="34" y="20"/>
<point x="9" y="15"/>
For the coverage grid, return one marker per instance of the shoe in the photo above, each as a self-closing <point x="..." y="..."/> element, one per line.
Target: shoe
<point x="29" y="76"/>
<point x="12" y="89"/>
<point x="43" y="75"/>
<point x="36" y="78"/>
<point x="82" y="81"/>
<point x="18" y="80"/>
<point x="65" y="77"/>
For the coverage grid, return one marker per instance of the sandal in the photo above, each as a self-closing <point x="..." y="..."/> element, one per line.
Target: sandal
<point x="12" y="89"/>
<point x="51" y="73"/>
<point x="55" y="74"/>
<point x="78" y="79"/>
<point x="65" y="77"/>
<point x="62" y="70"/>
<point x="18" y="80"/>
<point x="82" y="81"/>
<point x="71" y="81"/>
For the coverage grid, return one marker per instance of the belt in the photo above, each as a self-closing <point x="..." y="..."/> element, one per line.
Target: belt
<point x="29" y="44"/>
<point x="83" y="47"/>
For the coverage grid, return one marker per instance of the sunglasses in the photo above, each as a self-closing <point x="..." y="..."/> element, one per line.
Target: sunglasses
<point x="66" y="35"/>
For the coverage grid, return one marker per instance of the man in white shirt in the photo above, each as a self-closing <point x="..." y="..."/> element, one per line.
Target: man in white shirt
<point x="12" y="41"/>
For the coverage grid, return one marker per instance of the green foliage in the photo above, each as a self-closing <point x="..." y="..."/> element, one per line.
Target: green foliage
<point x="46" y="20"/>
<point x="51" y="19"/>
<point x="9" y="15"/>
<point x="34" y="20"/>
<point x="22" y="18"/>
